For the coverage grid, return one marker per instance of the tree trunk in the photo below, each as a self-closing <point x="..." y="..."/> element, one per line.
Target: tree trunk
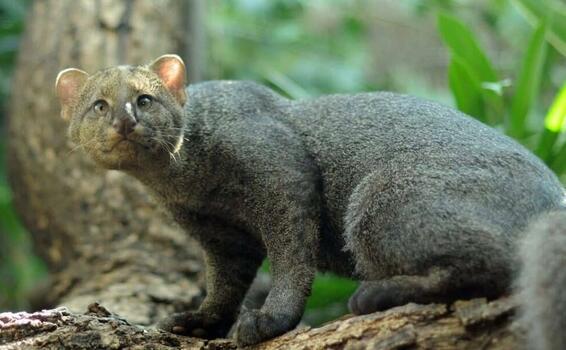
<point x="99" y="232"/>
<point x="102" y="236"/>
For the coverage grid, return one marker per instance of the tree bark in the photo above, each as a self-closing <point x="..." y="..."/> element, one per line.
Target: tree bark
<point x="99" y="232"/>
<point x="104" y="239"/>
<point x="473" y="324"/>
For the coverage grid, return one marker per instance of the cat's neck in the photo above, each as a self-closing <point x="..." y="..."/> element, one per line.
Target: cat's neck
<point x="175" y="168"/>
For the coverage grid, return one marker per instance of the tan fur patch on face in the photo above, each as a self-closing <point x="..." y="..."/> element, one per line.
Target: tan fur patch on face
<point x="143" y="81"/>
<point x="120" y="87"/>
<point x="122" y="82"/>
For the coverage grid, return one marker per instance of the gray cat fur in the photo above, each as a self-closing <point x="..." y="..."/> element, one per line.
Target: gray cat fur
<point x="419" y="201"/>
<point x="542" y="282"/>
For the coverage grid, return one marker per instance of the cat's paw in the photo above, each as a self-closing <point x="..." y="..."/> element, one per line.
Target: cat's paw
<point x="255" y="326"/>
<point x="375" y="296"/>
<point x="196" y="324"/>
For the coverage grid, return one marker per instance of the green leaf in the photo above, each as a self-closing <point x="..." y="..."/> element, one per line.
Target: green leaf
<point x="463" y="44"/>
<point x="558" y="164"/>
<point x="553" y="125"/>
<point x="546" y="144"/>
<point x="550" y="11"/>
<point x="556" y="116"/>
<point x="328" y="288"/>
<point x="285" y="84"/>
<point x="528" y="81"/>
<point x="328" y="299"/>
<point x="466" y="89"/>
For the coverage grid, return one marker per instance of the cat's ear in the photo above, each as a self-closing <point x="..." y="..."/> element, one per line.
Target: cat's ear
<point x="69" y="83"/>
<point x="171" y="70"/>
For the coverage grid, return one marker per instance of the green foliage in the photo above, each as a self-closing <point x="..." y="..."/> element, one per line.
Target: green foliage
<point x="551" y="11"/>
<point x="464" y="46"/>
<point x="11" y="25"/>
<point x="473" y="80"/>
<point x="479" y="92"/>
<point x="301" y="48"/>
<point x="553" y="126"/>
<point x="328" y="299"/>
<point x="19" y="268"/>
<point x="466" y="89"/>
<point x="528" y="82"/>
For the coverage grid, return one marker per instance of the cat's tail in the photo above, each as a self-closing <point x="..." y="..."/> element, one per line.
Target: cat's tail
<point x="542" y="282"/>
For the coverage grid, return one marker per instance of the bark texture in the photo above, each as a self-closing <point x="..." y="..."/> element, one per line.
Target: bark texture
<point x="100" y="233"/>
<point x="470" y="325"/>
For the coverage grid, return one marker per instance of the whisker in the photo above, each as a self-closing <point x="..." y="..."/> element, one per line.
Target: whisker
<point x="177" y="142"/>
<point x="166" y="146"/>
<point x="173" y="128"/>
<point x="173" y="153"/>
<point x="73" y="150"/>
<point x="79" y="146"/>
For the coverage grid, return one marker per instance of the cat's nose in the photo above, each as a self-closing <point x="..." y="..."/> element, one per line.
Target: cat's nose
<point x="124" y="126"/>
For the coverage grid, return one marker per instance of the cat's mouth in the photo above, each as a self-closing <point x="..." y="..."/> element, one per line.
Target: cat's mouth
<point x="125" y="143"/>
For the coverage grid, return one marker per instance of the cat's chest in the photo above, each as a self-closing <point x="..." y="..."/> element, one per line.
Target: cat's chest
<point x="220" y="202"/>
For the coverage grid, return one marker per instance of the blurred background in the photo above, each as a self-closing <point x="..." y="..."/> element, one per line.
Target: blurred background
<point x="501" y="61"/>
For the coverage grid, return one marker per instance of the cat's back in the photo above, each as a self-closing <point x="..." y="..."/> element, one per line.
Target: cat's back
<point x="416" y="143"/>
<point x="393" y="118"/>
<point x="382" y="124"/>
<point x="233" y="99"/>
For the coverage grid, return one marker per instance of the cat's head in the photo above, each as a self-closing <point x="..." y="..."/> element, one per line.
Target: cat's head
<point x="126" y="116"/>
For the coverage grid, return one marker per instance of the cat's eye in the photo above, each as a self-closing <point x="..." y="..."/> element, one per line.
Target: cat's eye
<point x="100" y="107"/>
<point x="144" y="101"/>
